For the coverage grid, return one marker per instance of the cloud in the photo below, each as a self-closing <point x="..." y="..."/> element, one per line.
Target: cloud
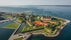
<point x="35" y="2"/>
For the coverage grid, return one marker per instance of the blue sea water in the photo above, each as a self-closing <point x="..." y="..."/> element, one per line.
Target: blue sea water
<point x="5" y="33"/>
<point x="59" y="11"/>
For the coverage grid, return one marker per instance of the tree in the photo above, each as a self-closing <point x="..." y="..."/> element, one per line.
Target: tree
<point x="54" y="19"/>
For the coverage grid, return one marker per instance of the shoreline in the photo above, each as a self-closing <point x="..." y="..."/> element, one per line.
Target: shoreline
<point x="2" y="21"/>
<point x="67" y="21"/>
<point x="33" y="32"/>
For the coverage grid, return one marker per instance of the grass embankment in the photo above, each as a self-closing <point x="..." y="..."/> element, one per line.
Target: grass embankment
<point x="19" y="38"/>
<point x="30" y="27"/>
<point x="8" y="16"/>
<point x="26" y="29"/>
<point x="12" y="25"/>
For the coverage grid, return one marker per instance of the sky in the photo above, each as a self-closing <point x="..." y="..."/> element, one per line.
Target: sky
<point x="34" y="2"/>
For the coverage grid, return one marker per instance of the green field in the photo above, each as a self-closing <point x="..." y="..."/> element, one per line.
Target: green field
<point x="25" y="29"/>
<point x="19" y="38"/>
<point x="12" y="25"/>
<point x="8" y="16"/>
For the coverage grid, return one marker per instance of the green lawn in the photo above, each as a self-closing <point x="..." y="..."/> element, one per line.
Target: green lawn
<point x="12" y="25"/>
<point x="8" y="16"/>
<point x="25" y="29"/>
<point x="19" y="38"/>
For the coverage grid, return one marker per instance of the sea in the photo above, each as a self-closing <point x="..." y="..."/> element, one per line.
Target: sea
<point x="62" y="11"/>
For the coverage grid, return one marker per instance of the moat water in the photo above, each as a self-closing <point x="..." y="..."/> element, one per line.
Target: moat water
<point x="59" y="11"/>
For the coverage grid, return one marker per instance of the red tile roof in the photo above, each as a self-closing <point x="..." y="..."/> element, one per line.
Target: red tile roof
<point x="40" y="23"/>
